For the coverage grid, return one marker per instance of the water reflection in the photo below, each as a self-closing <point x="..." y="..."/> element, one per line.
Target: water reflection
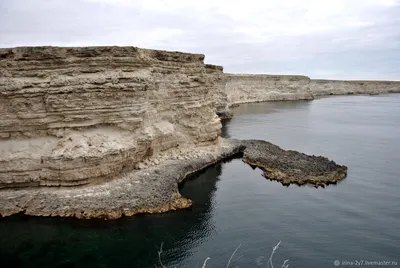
<point x="269" y="107"/>
<point x="128" y="242"/>
<point x="256" y="120"/>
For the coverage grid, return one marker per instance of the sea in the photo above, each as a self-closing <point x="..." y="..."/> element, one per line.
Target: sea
<point x="240" y="219"/>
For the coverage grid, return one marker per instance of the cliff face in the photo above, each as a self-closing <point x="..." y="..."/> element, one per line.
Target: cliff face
<point x="220" y="95"/>
<point x="242" y="88"/>
<point x="73" y="116"/>
<point x="342" y="87"/>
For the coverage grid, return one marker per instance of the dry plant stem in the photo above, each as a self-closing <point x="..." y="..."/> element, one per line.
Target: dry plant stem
<point x="269" y="263"/>
<point x="205" y="262"/>
<point x="285" y="264"/>
<point x="229" y="262"/>
<point x="159" y="255"/>
<point x="272" y="255"/>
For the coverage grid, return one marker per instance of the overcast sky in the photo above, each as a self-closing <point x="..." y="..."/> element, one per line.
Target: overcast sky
<point x="342" y="39"/>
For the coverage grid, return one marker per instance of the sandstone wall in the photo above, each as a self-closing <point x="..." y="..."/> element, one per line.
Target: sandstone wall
<point x="73" y="116"/>
<point x="341" y="87"/>
<point x="242" y="88"/>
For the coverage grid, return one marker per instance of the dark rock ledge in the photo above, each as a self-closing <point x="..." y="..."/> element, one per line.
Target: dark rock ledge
<point x="225" y="115"/>
<point x="291" y="167"/>
<point x="155" y="189"/>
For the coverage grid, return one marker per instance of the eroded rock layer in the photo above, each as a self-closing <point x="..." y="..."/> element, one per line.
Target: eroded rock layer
<point x="73" y="116"/>
<point x="243" y="88"/>
<point x="342" y="87"/>
<point x="220" y="95"/>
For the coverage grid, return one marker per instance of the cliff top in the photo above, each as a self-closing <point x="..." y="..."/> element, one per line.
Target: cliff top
<point x="55" y="52"/>
<point x="268" y="75"/>
<point x="354" y="81"/>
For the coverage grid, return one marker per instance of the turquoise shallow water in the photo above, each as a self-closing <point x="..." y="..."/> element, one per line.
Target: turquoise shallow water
<point x="357" y="219"/>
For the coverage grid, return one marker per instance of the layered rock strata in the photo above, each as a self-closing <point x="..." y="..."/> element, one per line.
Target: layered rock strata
<point x="74" y="116"/>
<point x="341" y="87"/>
<point x="220" y="96"/>
<point x="243" y="88"/>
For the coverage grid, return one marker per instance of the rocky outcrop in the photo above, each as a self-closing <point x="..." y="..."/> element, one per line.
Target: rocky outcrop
<point x="343" y="87"/>
<point x="291" y="167"/>
<point x="74" y="116"/>
<point x="243" y="88"/>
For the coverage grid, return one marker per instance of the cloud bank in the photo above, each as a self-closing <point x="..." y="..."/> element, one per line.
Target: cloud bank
<point x="339" y="39"/>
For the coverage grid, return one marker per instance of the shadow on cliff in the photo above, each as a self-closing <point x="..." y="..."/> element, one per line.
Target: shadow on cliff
<point x="225" y="128"/>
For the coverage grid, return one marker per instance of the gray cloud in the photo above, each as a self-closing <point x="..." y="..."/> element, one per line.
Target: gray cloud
<point x="358" y="39"/>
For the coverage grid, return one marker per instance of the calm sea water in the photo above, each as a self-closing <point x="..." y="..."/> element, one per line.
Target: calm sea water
<point x="355" y="220"/>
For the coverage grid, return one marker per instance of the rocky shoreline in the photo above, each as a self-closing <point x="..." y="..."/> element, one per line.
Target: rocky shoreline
<point x="154" y="188"/>
<point x="107" y="132"/>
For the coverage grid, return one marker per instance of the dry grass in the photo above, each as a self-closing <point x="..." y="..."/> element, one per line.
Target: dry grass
<point x="270" y="264"/>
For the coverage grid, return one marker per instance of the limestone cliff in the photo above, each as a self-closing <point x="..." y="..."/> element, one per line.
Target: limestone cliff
<point x="242" y="88"/>
<point x="73" y="116"/>
<point x="220" y="95"/>
<point x="343" y="87"/>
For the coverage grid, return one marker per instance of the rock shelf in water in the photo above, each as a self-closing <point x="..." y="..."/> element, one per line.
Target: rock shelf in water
<point x="292" y="167"/>
<point x="154" y="189"/>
